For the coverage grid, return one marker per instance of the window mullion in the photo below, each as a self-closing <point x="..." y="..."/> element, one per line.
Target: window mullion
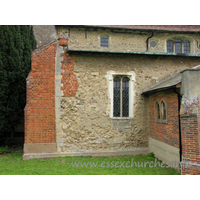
<point x="182" y="46"/>
<point x="121" y="103"/>
<point x="174" y="50"/>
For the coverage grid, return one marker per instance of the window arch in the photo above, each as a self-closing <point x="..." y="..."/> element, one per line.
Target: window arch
<point x="178" y="45"/>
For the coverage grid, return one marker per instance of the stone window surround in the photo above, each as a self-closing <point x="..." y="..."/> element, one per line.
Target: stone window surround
<point x="131" y="76"/>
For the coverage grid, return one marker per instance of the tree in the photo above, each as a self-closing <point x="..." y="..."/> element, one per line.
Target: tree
<point x="16" y="44"/>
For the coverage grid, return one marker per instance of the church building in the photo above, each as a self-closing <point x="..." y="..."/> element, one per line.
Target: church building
<point x="108" y="90"/>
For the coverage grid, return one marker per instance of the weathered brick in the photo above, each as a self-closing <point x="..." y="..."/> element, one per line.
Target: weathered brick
<point x="62" y="42"/>
<point x="165" y="132"/>
<point x="40" y="103"/>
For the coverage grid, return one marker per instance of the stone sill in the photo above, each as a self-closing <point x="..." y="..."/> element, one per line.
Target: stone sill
<point x="122" y="118"/>
<point x="162" y="121"/>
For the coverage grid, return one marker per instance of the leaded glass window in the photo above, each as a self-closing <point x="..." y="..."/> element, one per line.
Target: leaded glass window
<point x="170" y="46"/>
<point x="125" y="96"/>
<point x="186" y="46"/>
<point x="104" y="41"/>
<point x="121" y="96"/>
<point x="178" y="46"/>
<point x="116" y="99"/>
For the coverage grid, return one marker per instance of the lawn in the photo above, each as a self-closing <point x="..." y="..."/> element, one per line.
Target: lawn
<point x="12" y="164"/>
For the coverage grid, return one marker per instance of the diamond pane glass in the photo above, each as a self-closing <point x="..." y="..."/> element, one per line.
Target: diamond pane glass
<point x="170" y="46"/>
<point x="125" y="97"/>
<point x="186" y="46"/>
<point x="116" y="97"/>
<point x="178" y="46"/>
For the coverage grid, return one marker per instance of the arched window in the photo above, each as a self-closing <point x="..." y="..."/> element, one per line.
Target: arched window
<point x="104" y="41"/>
<point x="186" y="46"/>
<point x="160" y="112"/>
<point x="178" y="46"/>
<point x="157" y="111"/>
<point x="163" y="111"/>
<point x="121" y="96"/>
<point x="170" y="46"/>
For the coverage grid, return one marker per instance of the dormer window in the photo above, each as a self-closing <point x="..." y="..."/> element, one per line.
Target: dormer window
<point x="178" y="46"/>
<point x="104" y="41"/>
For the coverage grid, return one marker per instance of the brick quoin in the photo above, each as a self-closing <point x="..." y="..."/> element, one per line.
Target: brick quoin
<point x="40" y="102"/>
<point x="69" y="80"/>
<point x="165" y="132"/>
<point x="62" y="42"/>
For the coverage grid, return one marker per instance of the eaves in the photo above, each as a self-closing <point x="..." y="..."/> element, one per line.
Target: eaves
<point x="124" y="29"/>
<point x="132" y="52"/>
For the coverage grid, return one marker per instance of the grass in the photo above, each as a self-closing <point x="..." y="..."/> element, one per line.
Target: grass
<point x="12" y="164"/>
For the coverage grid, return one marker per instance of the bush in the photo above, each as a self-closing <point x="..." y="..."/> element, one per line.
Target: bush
<point x="4" y="150"/>
<point x="152" y="155"/>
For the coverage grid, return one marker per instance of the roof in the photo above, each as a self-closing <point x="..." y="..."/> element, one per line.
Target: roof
<point x="167" y="83"/>
<point x="155" y="27"/>
<point x="43" y="46"/>
<point x="164" y="28"/>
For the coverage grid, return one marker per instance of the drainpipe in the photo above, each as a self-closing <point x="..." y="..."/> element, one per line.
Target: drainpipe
<point x="197" y="44"/>
<point x="179" y="123"/>
<point x="147" y="41"/>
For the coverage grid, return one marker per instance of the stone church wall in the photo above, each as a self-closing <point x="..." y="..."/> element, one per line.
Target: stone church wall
<point x="85" y="122"/>
<point x="68" y="96"/>
<point x="89" y="39"/>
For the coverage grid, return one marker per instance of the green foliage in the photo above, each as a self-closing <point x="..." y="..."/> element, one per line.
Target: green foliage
<point x="5" y="150"/>
<point x="16" y="44"/>
<point x="152" y="155"/>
